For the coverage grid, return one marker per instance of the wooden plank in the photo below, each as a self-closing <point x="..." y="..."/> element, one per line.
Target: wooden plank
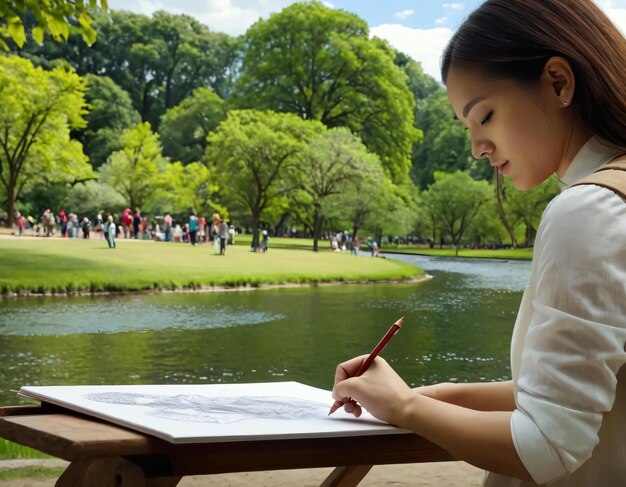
<point x="304" y="453"/>
<point x="346" y="476"/>
<point x="20" y="410"/>
<point x="74" y="439"/>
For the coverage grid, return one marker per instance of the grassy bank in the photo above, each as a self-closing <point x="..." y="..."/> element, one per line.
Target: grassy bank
<point x="41" y="265"/>
<point x="508" y="254"/>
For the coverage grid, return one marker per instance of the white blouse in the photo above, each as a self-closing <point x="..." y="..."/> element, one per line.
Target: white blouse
<point x="568" y="343"/>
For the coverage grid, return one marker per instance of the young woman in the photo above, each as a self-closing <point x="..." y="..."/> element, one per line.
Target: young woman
<point x="540" y="85"/>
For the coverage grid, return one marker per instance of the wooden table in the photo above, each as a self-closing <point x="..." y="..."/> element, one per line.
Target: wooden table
<point x="102" y="454"/>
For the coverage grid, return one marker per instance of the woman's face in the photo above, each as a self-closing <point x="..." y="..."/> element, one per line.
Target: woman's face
<point x="520" y="129"/>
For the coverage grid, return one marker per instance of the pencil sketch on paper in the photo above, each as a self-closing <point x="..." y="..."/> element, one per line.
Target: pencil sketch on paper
<point x="193" y="413"/>
<point x="222" y="410"/>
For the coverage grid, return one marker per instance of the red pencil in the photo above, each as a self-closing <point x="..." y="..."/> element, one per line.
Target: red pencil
<point x="377" y="349"/>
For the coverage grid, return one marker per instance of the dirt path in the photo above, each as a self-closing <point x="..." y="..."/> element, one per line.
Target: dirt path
<point x="444" y="474"/>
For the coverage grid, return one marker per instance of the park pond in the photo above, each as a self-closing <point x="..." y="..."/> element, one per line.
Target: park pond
<point x="457" y="328"/>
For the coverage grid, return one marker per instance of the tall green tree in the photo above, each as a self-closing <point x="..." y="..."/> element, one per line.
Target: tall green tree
<point x="253" y="153"/>
<point x="110" y="113"/>
<point x="320" y="64"/>
<point x="184" y="128"/>
<point x="187" y="188"/>
<point x="526" y="207"/>
<point x="329" y="165"/>
<point x="37" y="111"/>
<point x="158" y="60"/>
<point x="53" y="16"/>
<point x="454" y="200"/>
<point x="446" y="145"/>
<point x="134" y="170"/>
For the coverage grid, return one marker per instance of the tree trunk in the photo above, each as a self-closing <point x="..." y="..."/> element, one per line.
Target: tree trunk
<point x="317" y="227"/>
<point x="501" y="212"/>
<point x="255" y="233"/>
<point x="10" y="205"/>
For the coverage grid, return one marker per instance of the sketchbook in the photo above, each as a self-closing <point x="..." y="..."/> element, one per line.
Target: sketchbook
<point x="215" y="412"/>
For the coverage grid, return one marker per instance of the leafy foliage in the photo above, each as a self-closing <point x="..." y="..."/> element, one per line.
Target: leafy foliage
<point x="190" y="188"/>
<point x="110" y="113"/>
<point x="253" y="152"/>
<point x="133" y="170"/>
<point x="159" y="61"/>
<point x="330" y="165"/>
<point x="320" y="64"/>
<point x="526" y="207"/>
<point x="52" y="16"/>
<point x="185" y="127"/>
<point x="446" y="145"/>
<point x="38" y="110"/>
<point x="453" y="201"/>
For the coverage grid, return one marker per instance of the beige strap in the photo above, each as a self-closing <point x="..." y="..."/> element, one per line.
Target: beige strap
<point x="611" y="176"/>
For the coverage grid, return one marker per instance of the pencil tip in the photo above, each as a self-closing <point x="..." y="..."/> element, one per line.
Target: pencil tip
<point x="399" y="322"/>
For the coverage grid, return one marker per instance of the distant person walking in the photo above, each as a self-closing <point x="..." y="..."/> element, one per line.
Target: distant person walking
<point x="167" y="227"/>
<point x="193" y="229"/>
<point x="136" y="223"/>
<point x="110" y="231"/>
<point x="223" y="234"/>
<point x="85" y="227"/>
<point x="215" y="232"/>
<point x="356" y="244"/>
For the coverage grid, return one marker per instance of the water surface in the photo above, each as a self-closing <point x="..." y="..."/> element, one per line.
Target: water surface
<point x="457" y="327"/>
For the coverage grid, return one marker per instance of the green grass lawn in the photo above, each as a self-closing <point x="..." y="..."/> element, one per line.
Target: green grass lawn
<point x="509" y="254"/>
<point x="72" y="265"/>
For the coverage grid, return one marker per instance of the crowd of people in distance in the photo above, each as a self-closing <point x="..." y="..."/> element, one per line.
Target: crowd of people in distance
<point x="344" y="241"/>
<point x="130" y="225"/>
<point x="192" y="229"/>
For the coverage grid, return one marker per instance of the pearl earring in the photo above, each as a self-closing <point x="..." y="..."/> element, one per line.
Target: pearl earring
<point x="565" y="102"/>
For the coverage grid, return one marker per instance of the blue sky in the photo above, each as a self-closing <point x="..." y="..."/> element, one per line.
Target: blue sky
<point x="419" y="28"/>
<point x="423" y="14"/>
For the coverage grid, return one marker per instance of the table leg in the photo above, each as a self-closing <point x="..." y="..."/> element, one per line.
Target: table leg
<point x="346" y="476"/>
<point x="110" y="472"/>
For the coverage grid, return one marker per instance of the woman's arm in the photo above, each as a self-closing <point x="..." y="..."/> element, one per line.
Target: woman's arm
<point x="482" y="396"/>
<point x="482" y="438"/>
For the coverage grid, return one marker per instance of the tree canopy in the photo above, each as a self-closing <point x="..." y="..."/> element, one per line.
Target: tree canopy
<point x="252" y="152"/>
<point x="453" y="201"/>
<point x="53" y="16"/>
<point x="328" y="167"/>
<point x="133" y="171"/>
<point x="38" y="110"/>
<point x="158" y="60"/>
<point x="185" y="127"/>
<point x="110" y="113"/>
<point x="320" y="64"/>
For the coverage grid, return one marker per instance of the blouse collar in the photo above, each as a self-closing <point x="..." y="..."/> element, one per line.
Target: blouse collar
<point x="590" y="157"/>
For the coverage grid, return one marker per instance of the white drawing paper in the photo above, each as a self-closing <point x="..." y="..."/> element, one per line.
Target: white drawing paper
<point x="215" y="412"/>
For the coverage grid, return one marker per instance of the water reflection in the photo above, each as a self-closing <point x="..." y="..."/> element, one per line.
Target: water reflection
<point x="123" y="314"/>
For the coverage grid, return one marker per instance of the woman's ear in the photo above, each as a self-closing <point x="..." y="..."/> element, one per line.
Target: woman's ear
<point x="559" y="81"/>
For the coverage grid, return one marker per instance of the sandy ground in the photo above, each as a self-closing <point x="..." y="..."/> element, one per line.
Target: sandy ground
<point x="444" y="474"/>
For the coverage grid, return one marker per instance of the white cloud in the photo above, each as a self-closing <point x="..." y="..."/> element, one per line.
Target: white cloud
<point x="328" y="5"/>
<point x="423" y="45"/>
<point x="403" y="14"/>
<point x="441" y="21"/>
<point x="453" y="6"/>
<point x="231" y="16"/>
<point x="616" y="11"/>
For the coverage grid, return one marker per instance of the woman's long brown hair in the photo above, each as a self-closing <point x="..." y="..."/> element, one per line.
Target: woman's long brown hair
<point x="513" y="39"/>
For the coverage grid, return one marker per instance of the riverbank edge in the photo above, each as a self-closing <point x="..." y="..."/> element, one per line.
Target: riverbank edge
<point x="464" y="257"/>
<point x="216" y="288"/>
